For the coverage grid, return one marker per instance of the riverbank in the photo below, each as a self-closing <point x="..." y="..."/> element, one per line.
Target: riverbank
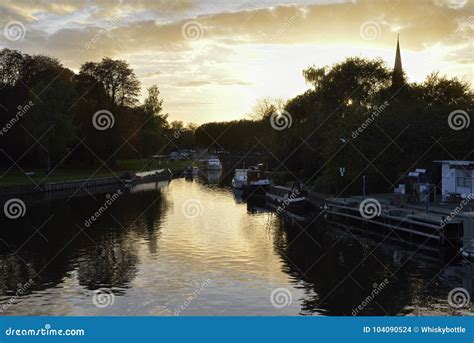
<point x="35" y="176"/>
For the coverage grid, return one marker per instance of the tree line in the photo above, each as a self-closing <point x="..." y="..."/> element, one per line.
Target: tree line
<point x="355" y="122"/>
<point x="51" y="116"/>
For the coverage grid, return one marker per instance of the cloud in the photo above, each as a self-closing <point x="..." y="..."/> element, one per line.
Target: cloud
<point x="225" y="82"/>
<point x="237" y="41"/>
<point x="420" y="24"/>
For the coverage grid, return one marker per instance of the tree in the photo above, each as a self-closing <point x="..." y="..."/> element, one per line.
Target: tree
<point x="264" y="107"/>
<point x="155" y="122"/>
<point x="51" y="120"/>
<point x="117" y="78"/>
<point x="11" y="64"/>
<point x="315" y="75"/>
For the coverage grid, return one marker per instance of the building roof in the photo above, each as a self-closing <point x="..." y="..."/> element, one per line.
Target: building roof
<point x="455" y="162"/>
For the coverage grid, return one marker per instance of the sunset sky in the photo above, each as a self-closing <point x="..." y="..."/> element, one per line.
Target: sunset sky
<point x="212" y="59"/>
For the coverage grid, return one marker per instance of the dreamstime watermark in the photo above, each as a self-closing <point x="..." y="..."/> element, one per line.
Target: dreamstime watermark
<point x="197" y="292"/>
<point x="103" y="297"/>
<point x="14" y="208"/>
<point x="192" y="30"/>
<point x="44" y="331"/>
<point x="294" y="194"/>
<point x="192" y="208"/>
<point x="377" y="111"/>
<point x="285" y="25"/>
<point x="22" y="110"/>
<point x="464" y="27"/>
<point x="370" y="30"/>
<point x="110" y="200"/>
<point x="103" y="120"/>
<point x="281" y="120"/>
<point x="458" y="120"/>
<point x="458" y="297"/>
<point x="457" y="210"/>
<point x="108" y="26"/>
<point x="281" y="297"/>
<point x="377" y="289"/>
<point x="14" y="31"/>
<point x="22" y="288"/>
<point x="370" y="208"/>
<point x="178" y="133"/>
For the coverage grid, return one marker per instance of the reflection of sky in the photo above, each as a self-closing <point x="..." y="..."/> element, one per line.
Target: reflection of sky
<point x="160" y="258"/>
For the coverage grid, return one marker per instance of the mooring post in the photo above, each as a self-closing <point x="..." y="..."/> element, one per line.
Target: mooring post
<point x="468" y="234"/>
<point x="363" y="187"/>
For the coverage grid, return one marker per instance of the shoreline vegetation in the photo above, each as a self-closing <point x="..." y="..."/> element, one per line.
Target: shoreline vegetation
<point x="13" y="178"/>
<point x="358" y="118"/>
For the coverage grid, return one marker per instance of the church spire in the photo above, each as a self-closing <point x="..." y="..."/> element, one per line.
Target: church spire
<point x="397" y="76"/>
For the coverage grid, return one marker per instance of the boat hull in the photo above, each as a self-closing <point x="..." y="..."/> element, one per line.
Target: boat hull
<point x="298" y="205"/>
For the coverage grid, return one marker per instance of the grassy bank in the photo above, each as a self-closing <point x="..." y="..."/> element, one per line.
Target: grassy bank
<point x="14" y="177"/>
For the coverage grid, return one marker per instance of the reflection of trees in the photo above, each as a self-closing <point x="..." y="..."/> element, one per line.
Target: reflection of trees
<point x="339" y="275"/>
<point x="110" y="263"/>
<point x="104" y="253"/>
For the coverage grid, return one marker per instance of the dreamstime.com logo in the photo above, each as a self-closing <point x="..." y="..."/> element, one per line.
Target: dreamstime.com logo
<point x="110" y="200"/>
<point x="103" y="297"/>
<point x="370" y="208"/>
<point x="192" y="208"/>
<point x="108" y="26"/>
<point x="22" y="288"/>
<point x="377" y="288"/>
<point x="281" y="297"/>
<point x="286" y="24"/>
<point x="370" y="30"/>
<point x="458" y="298"/>
<point x="14" y="208"/>
<point x="103" y="120"/>
<point x="287" y="201"/>
<point x="459" y="120"/>
<point x="457" y="210"/>
<point x="281" y="120"/>
<point x="192" y="297"/>
<point x="192" y="30"/>
<point x="377" y="111"/>
<point x="14" y="31"/>
<point x="22" y="110"/>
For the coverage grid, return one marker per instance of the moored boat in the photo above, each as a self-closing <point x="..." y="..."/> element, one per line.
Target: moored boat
<point x="214" y="164"/>
<point x="258" y="180"/>
<point x="191" y="172"/>
<point x="240" y="178"/>
<point x="290" y="199"/>
<point x="147" y="176"/>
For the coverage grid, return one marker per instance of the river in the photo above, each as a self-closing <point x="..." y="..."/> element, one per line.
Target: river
<point x="190" y="247"/>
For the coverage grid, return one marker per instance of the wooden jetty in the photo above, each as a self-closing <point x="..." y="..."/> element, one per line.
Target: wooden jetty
<point x="410" y="222"/>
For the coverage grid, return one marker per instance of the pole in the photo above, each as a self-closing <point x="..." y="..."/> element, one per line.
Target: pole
<point x="363" y="187"/>
<point x="427" y="197"/>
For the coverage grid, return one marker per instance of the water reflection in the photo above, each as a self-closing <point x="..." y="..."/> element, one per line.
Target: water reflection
<point x="154" y="257"/>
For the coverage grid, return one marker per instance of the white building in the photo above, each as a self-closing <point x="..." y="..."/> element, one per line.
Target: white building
<point x="457" y="177"/>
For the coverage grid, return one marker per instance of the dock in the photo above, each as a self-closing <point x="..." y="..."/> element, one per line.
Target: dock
<point x="411" y="221"/>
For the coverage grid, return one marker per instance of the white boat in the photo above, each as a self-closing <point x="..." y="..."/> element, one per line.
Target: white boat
<point x="240" y="178"/>
<point x="214" y="164"/>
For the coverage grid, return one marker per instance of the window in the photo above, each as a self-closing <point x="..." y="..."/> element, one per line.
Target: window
<point x="464" y="178"/>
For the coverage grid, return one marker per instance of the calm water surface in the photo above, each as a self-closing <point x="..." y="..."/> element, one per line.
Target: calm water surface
<point x="191" y="247"/>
